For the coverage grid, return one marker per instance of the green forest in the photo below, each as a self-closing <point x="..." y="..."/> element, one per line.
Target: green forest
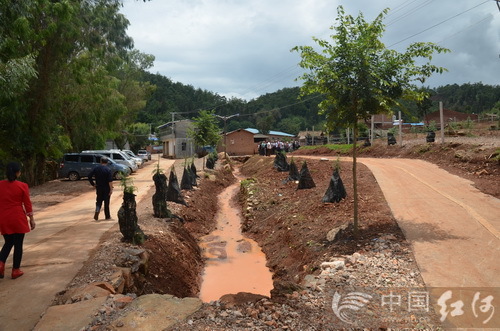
<point x="71" y="79"/>
<point x="285" y="110"/>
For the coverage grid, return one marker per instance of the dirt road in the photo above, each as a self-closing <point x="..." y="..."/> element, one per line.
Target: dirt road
<point x="454" y="229"/>
<point x="56" y="250"/>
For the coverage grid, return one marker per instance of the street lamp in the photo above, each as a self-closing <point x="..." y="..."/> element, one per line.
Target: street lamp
<point x="225" y="118"/>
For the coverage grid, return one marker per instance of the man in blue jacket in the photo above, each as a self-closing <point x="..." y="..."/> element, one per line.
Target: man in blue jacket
<point x="104" y="187"/>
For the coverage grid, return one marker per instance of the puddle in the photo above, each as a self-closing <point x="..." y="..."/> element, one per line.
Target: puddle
<point x="234" y="263"/>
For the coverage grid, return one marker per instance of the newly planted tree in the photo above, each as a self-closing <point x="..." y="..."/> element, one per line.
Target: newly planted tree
<point x="206" y="131"/>
<point x="359" y="77"/>
<point x="159" y="198"/>
<point x="127" y="215"/>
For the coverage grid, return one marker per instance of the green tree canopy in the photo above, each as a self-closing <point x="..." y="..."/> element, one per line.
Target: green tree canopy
<point x="206" y="130"/>
<point x="359" y="77"/>
<point x="69" y="79"/>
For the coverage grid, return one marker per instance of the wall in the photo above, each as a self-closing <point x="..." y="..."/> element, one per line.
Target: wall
<point x="239" y="142"/>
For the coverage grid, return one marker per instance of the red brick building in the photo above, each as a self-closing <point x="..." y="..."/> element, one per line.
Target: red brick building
<point x="245" y="141"/>
<point x="239" y="142"/>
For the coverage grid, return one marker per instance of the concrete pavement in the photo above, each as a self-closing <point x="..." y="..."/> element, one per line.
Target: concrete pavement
<point x="56" y="250"/>
<point x="453" y="227"/>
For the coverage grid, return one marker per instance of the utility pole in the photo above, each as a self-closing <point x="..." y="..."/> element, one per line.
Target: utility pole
<point x="441" y="120"/>
<point x="400" y="125"/>
<point x="225" y="118"/>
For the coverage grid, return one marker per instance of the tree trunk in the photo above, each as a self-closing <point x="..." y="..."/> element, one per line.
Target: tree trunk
<point x="186" y="183"/>
<point x="160" y="208"/>
<point x="336" y="190"/>
<point x="355" y="180"/>
<point x="306" y="181"/>
<point x="174" y="193"/>
<point x="127" y="220"/>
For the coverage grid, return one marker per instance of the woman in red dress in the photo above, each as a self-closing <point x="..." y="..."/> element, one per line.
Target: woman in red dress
<point x="15" y="209"/>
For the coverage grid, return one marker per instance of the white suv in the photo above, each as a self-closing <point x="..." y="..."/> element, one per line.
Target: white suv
<point x="144" y="154"/>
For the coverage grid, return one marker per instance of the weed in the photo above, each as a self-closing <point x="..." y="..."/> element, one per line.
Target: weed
<point x="496" y="156"/>
<point x="423" y="149"/>
<point x="336" y="165"/>
<point x="247" y="182"/>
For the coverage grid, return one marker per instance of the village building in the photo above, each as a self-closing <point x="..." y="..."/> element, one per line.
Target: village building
<point x="245" y="141"/>
<point x="309" y="138"/>
<point x="383" y="121"/>
<point x="175" y="141"/>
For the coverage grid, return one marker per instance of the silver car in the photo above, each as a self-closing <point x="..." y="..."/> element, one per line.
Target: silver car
<point x="144" y="154"/>
<point x="140" y="161"/>
<point x="117" y="156"/>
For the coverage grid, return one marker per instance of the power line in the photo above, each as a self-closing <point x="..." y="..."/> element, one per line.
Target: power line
<point x="466" y="28"/>
<point x="444" y="21"/>
<point x="400" y="7"/>
<point x="404" y="15"/>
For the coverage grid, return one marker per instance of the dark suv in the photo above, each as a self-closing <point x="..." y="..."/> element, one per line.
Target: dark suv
<point x="77" y="165"/>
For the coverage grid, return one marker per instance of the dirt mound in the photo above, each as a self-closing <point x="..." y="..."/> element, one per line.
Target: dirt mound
<point x="175" y="263"/>
<point x="291" y="224"/>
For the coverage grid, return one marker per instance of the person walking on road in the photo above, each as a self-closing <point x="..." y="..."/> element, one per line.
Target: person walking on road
<point x="104" y="187"/>
<point x="15" y="209"/>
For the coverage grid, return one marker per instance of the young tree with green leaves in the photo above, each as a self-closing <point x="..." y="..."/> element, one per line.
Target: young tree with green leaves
<point x="359" y="77"/>
<point x="206" y="131"/>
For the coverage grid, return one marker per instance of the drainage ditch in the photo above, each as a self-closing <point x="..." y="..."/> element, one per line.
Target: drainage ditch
<point x="234" y="263"/>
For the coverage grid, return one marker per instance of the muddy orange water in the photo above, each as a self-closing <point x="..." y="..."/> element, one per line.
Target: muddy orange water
<point x="234" y="263"/>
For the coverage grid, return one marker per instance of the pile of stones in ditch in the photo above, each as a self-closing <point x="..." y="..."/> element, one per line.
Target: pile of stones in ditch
<point x="384" y="262"/>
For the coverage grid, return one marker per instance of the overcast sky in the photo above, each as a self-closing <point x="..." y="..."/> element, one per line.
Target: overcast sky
<point x="241" y="48"/>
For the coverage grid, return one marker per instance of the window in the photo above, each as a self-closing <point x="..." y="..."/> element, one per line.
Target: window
<point x="71" y="158"/>
<point x="87" y="158"/>
<point x="183" y="146"/>
<point x="117" y="156"/>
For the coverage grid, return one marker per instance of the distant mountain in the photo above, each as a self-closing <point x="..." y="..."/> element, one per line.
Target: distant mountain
<point x="285" y="111"/>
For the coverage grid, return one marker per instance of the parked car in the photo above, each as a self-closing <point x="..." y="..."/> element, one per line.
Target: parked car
<point x="134" y="157"/>
<point x="77" y="165"/>
<point x="117" y="156"/>
<point x="144" y="154"/>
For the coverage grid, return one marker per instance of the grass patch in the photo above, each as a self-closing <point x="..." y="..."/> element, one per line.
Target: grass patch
<point x="421" y="149"/>
<point x="496" y="155"/>
<point x="341" y="148"/>
<point x="247" y="182"/>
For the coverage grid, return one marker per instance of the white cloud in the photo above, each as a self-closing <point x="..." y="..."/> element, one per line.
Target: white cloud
<point x="242" y="48"/>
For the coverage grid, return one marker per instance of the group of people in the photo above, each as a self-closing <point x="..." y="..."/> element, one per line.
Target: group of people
<point x="16" y="211"/>
<point x="268" y="148"/>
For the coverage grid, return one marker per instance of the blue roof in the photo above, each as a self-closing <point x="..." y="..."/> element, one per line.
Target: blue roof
<point x="273" y="133"/>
